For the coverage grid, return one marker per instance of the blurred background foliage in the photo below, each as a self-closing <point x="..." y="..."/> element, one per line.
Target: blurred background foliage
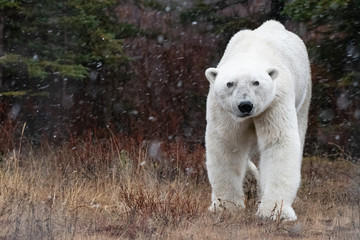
<point x="74" y="68"/>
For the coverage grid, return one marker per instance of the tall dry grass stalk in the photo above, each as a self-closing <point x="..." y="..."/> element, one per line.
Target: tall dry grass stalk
<point x="118" y="189"/>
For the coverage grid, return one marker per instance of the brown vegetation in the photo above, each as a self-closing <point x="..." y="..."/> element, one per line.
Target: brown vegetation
<point x="119" y="189"/>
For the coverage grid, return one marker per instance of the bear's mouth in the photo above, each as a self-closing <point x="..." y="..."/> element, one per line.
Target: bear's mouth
<point x="244" y="115"/>
<point x="241" y="116"/>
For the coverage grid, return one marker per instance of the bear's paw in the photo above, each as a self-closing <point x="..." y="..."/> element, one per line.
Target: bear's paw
<point x="223" y="205"/>
<point x="276" y="212"/>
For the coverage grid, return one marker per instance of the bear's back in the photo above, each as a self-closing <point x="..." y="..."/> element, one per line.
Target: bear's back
<point x="271" y="25"/>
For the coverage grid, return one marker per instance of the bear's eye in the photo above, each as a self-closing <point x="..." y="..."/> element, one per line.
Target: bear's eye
<point x="256" y="83"/>
<point x="230" y="84"/>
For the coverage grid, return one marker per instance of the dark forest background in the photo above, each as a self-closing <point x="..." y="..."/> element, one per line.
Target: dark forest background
<point x="73" y="69"/>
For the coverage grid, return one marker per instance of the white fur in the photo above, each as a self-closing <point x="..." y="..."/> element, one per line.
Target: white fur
<point x="277" y="59"/>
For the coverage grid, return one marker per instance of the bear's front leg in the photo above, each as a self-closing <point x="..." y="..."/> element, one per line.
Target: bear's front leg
<point x="280" y="164"/>
<point x="226" y="170"/>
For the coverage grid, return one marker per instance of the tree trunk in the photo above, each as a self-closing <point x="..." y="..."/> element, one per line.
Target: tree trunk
<point x="2" y="25"/>
<point x="276" y="8"/>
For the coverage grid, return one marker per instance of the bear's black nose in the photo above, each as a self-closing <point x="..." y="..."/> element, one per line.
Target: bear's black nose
<point x="245" y="107"/>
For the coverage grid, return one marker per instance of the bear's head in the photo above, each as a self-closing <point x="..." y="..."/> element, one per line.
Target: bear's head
<point x="243" y="92"/>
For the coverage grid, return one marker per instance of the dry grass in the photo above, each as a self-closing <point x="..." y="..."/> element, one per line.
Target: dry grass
<point x="114" y="189"/>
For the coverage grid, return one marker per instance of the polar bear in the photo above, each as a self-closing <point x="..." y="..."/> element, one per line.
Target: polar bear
<point x="258" y="101"/>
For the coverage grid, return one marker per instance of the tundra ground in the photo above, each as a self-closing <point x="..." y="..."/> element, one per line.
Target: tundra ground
<point x="113" y="190"/>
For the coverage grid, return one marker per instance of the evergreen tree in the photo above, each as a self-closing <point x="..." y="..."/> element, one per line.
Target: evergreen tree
<point x="337" y="26"/>
<point x="59" y="38"/>
<point x="53" y="50"/>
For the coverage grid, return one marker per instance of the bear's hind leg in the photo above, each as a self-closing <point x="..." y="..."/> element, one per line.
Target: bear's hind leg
<point x="251" y="180"/>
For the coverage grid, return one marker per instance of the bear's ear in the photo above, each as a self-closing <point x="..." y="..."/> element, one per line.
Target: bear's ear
<point x="211" y="74"/>
<point x="273" y="72"/>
